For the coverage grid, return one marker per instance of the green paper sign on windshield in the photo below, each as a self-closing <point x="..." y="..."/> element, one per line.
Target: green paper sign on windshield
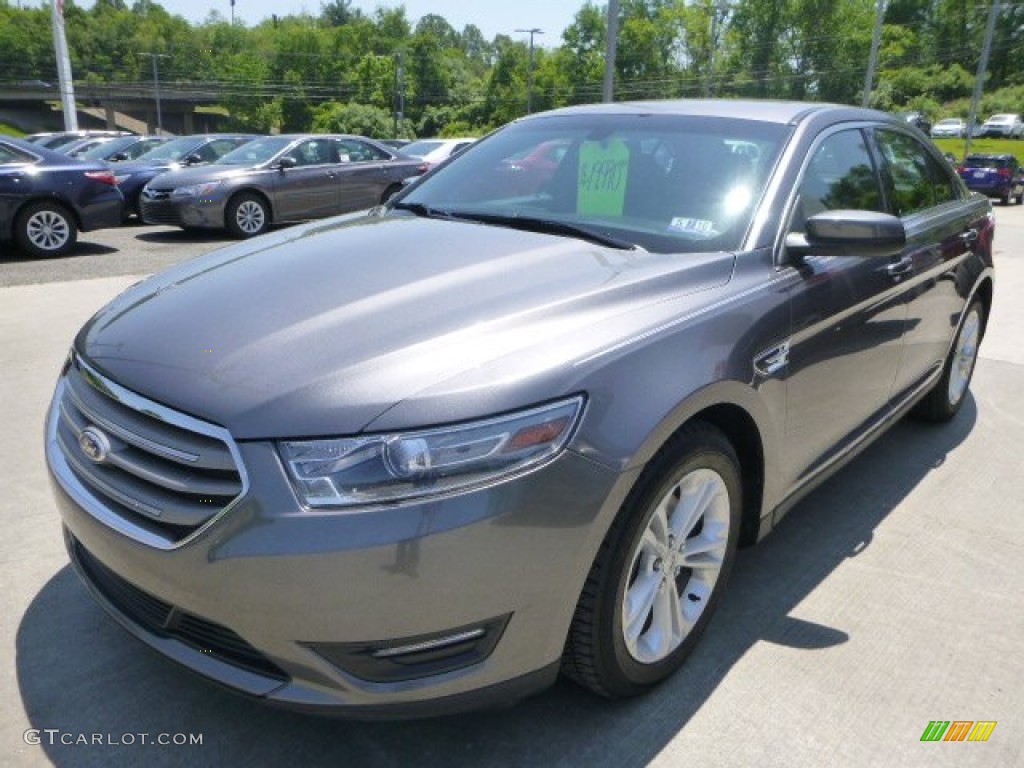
<point x="603" y="173"/>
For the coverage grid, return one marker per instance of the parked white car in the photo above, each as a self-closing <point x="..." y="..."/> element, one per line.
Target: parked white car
<point x="953" y="128"/>
<point x="434" y="151"/>
<point x="1008" y="125"/>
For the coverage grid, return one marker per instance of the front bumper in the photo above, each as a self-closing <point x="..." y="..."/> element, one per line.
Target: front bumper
<point x="188" y="212"/>
<point x="275" y="599"/>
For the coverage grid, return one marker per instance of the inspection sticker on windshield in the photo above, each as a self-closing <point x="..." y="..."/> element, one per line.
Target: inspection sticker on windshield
<point x="697" y="226"/>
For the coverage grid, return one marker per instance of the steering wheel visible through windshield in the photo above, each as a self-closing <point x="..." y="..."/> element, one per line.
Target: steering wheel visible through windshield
<point x="665" y="183"/>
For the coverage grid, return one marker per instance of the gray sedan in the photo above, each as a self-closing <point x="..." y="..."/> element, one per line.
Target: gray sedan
<point x="278" y="179"/>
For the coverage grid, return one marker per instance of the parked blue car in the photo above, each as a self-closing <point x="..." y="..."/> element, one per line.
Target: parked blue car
<point x="46" y="198"/>
<point x="998" y="176"/>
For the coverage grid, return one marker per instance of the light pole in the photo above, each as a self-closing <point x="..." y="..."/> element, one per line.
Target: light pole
<point x="232" y="13"/>
<point x="529" y="88"/>
<point x="156" y="87"/>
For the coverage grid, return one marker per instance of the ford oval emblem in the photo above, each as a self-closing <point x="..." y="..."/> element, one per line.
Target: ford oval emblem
<point x="94" y="444"/>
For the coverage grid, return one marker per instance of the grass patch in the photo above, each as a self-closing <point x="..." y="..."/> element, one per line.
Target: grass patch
<point x="982" y="146"/>
<point x="10" y="130"/>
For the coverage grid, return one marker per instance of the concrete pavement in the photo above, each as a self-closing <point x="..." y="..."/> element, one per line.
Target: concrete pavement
<point x="892" y="596"/>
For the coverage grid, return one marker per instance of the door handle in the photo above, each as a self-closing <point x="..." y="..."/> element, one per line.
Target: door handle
<point x="969" y="236"/>
<point x="900" y="268"/>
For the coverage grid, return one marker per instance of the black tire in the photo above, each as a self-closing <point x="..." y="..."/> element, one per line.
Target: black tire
<point x="247" y="215"/>
<point x="390" y="192"/>
<point x="943" y="402"/>
<point x="45" y="229"/>
<point x="597" y="654"/>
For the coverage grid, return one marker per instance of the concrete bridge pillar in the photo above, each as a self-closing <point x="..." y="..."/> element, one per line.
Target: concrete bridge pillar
<point x="108" y="112"/>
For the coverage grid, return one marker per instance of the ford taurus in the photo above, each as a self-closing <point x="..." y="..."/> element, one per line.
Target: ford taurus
<point x="428" y="457"/>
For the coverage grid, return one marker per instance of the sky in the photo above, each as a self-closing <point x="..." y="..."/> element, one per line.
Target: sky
<point x="491" y="16"/>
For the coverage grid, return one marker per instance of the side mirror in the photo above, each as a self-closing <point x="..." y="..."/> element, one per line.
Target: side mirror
<point x="287" y="162"/>
<point x="866" y="234"/>
<point x="193" y="159"/>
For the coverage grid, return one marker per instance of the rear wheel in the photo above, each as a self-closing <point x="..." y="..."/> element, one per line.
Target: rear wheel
<point x="661" y="569"/>
<point x="948" y="395"/>
<point x="247" y="215"/>
<point x="45" y="229"/>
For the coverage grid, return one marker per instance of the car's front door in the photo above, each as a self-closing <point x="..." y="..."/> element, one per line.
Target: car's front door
<point x="848" y="316"/>
<point x="941" y="231"/>
<point x="309" y="189"/>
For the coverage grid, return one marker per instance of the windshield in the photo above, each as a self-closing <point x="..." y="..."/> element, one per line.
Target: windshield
<point x="107" y="148"/>
<point x="1001" y="119"/>
<point x="665" y="183"/>
<point x="950" y="121"/>
<point x="175" y="149"/>
<point x="255" y="152"/>
<point x="975" y="161"/>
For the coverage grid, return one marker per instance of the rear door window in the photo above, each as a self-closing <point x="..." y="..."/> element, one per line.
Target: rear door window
<point x="915" y="180"/>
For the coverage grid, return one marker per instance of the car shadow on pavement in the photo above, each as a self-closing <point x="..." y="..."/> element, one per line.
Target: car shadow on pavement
<point x="80" y="673"/>
<point x="171" y="236"/>
<point x="82" y="248"/>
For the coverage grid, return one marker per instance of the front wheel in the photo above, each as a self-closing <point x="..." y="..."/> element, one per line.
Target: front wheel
<point x="247" y="215"/>
<point x="661" y="569"/>
<point x="45" y="229"/>
<point x="948" y="395"/>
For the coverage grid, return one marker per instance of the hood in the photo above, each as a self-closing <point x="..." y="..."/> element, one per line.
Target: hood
<point x="319" y="329"/>
<point x="199" y="173"/>
<point x="131" y="167"/>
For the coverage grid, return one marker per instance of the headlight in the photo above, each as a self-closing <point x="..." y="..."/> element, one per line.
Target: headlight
<point x="196" y="190"/>
<point x="381" y="468"/>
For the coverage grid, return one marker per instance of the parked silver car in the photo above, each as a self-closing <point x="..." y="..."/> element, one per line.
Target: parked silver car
<point x="278" y="179"/>
<point x="423" y="459"/>
<point x="1008" y="126"/>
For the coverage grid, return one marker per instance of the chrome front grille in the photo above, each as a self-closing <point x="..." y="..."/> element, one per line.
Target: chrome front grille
<point x="161" y="473"/>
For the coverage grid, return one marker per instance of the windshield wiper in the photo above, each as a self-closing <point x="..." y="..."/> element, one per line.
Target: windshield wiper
<point x="546" y="226"/>
<point x="421" y="209"/>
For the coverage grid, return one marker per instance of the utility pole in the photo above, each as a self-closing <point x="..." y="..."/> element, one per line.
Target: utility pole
<point x="399" y="91"/>
<point x="876" y="38"/>
<point x="232" y="13"/>
<point x="716" y="8"/>
<point x="979" y="80"/>
<point x="529" y="90"/>
<point x="608" y="91"/>
<point x="156" y="87"/>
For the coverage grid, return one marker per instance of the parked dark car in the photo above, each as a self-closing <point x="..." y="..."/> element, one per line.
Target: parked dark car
<point x="124" y="148"/>
<point x="47" y="198"/>
<point x="394" y="143"/>
<point x="422" y="459"/>
<point x="78" y="146"/>
<point x="182" y="152"/>
<point x="999" y="176"/>
<point x="916" y="119"/>
<point x="278" y="179"/>
<point x="58" y="139"/>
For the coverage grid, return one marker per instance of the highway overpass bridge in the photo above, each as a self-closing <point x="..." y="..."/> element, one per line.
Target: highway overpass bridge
<point x="130" y="106"/>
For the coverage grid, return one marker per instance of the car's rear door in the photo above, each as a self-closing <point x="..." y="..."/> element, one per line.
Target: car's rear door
<point x="943" y="228"/>
<point x="848" y="316"/>
<point x="364" y="176"/>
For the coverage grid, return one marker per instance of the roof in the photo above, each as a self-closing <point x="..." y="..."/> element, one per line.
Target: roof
<point x="784" y="112"/>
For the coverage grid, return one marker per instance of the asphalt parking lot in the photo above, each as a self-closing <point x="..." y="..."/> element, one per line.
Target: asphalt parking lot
<point x="891" y="597"/>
